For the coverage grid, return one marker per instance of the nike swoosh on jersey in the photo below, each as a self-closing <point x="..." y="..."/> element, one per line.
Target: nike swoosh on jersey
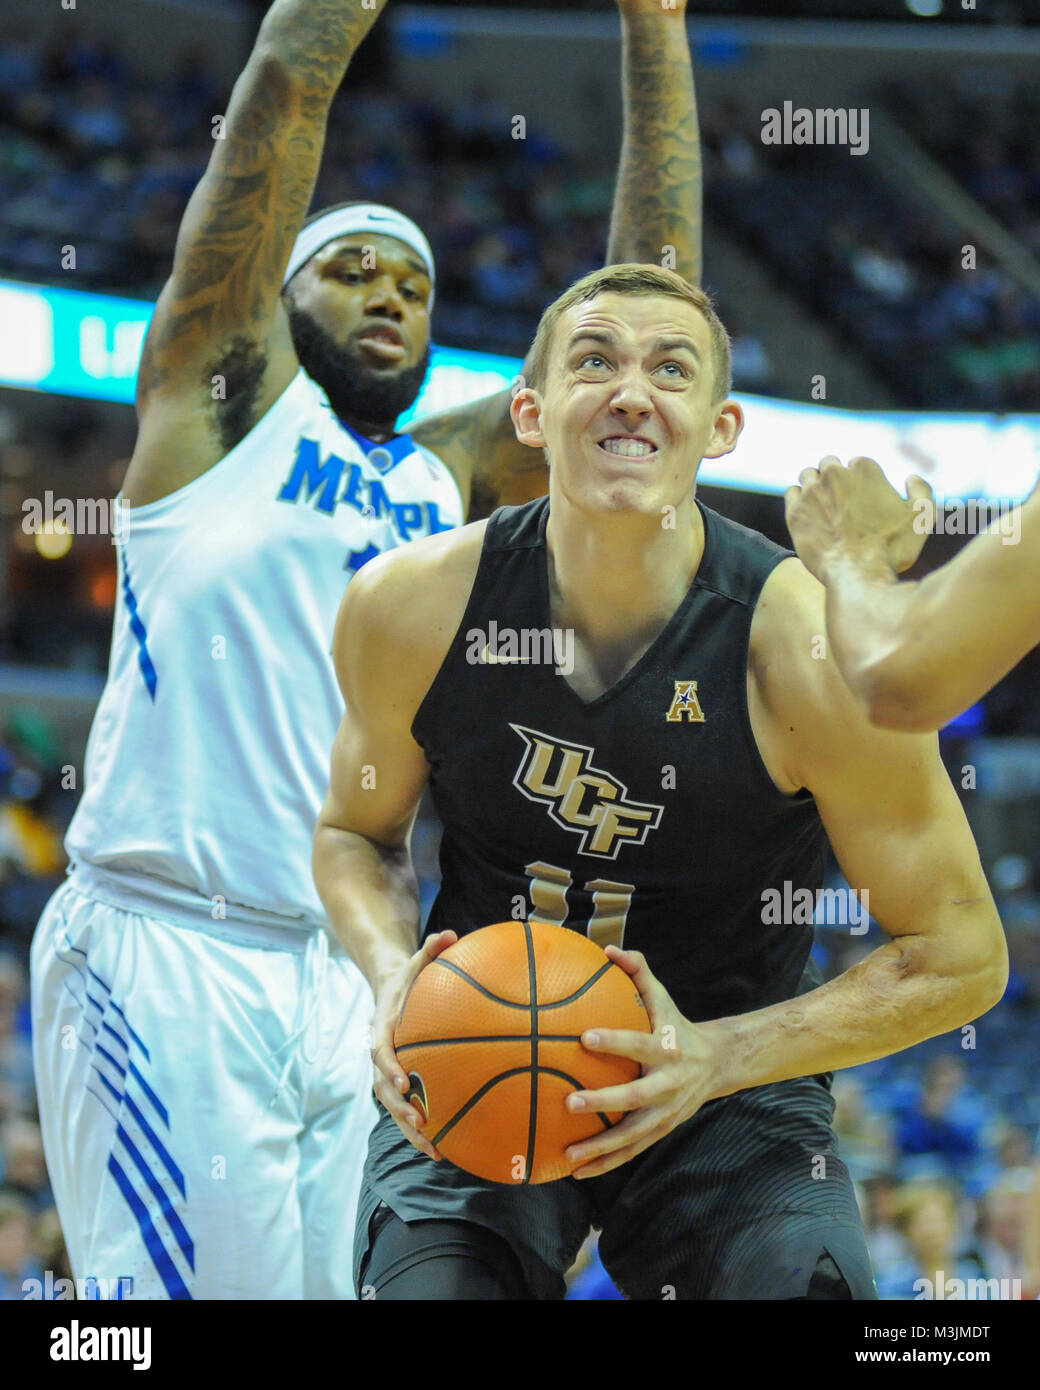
<point x="490" y="658"/>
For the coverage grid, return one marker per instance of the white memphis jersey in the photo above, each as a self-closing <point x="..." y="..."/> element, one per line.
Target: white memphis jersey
<point x="208" y="760"/>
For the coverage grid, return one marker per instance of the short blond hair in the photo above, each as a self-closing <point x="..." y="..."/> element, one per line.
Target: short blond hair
<point x="632" y="278"/>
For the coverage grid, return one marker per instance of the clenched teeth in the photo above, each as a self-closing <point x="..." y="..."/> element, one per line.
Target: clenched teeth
<point x="628" y="448"/>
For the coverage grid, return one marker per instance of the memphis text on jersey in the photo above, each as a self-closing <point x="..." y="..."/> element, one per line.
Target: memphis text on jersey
<point x="339" y="483"/>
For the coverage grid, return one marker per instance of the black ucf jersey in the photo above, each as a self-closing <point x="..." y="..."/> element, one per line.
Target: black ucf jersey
<point x="645" y="817"/>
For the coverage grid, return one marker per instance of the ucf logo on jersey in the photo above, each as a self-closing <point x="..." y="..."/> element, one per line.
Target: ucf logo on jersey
<point x="582" y="798"/>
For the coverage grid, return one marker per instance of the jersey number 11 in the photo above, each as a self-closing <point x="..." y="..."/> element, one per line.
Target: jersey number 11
<point x="610" y="902"/>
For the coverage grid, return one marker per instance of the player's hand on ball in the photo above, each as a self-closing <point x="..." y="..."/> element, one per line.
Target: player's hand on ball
<point x="680" y="1069"/>
<point x="390" y="1079"/>
<point x="836" y="509"/>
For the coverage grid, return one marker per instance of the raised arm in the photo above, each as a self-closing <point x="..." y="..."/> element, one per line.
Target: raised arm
<point x="916" y="654"/>
<point x="220" y="313"/>
<point x="657" y="204"/>
<point x="658" y="199"/>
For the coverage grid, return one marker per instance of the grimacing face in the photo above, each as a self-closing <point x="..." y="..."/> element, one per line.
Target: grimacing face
<point x="359" y="315"/>
<point x="627" y="414"/>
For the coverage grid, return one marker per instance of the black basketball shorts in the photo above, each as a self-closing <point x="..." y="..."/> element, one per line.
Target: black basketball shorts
<point x="743" y="1201"/>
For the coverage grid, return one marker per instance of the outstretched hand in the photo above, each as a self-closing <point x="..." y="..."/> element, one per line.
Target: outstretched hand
<point x="837" y="511"/>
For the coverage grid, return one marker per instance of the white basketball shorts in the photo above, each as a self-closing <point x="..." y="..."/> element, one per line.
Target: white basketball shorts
<point x="205" y="1094"/>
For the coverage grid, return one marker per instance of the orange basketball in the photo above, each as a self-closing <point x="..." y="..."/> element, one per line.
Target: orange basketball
<point x="490" y="1035"/>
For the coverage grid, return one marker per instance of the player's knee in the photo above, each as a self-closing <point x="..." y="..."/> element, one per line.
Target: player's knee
<point x="442" y="1260"/>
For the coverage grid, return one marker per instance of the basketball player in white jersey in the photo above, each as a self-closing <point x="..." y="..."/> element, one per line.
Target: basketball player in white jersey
<point x="916" y="654"/>
<point x="200" y="1037"/>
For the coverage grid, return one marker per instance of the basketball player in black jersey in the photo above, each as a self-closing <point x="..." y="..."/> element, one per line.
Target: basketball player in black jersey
<point x="697" y="756"/>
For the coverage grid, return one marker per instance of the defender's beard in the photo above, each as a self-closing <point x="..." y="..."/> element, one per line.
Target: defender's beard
<point x="355" y="390"/>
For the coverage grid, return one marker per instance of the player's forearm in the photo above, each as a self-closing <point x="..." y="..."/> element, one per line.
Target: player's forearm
<point x="658" y="200"/>
<point x="872" y="624"/>
<point x="372" y="898"/>
<point x="241" y="221"/>
<point x="911" y="989"/>
<point x="918" y="653"/>
<point x="316" y="39"/>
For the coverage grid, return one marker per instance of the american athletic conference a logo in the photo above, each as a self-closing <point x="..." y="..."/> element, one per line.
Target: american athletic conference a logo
<point x="581" y="798"/>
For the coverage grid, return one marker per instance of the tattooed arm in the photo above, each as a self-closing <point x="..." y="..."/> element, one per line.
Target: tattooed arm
<point x="220" y="314"/>
<point x="478" y="443"/>
<point x="657" y="204"/>
<point x="658" y="199"/>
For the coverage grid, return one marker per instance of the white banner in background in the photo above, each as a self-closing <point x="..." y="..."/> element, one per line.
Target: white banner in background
<point x="78" y="344"/>
<point x="959" y="455"/>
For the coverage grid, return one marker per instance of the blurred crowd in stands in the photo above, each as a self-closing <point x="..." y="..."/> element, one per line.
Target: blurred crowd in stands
<point x="34" y="810"/>
<point x="109" y="161"/>
<point x="941" y="1139"/>
<point x="944" y="327"/>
